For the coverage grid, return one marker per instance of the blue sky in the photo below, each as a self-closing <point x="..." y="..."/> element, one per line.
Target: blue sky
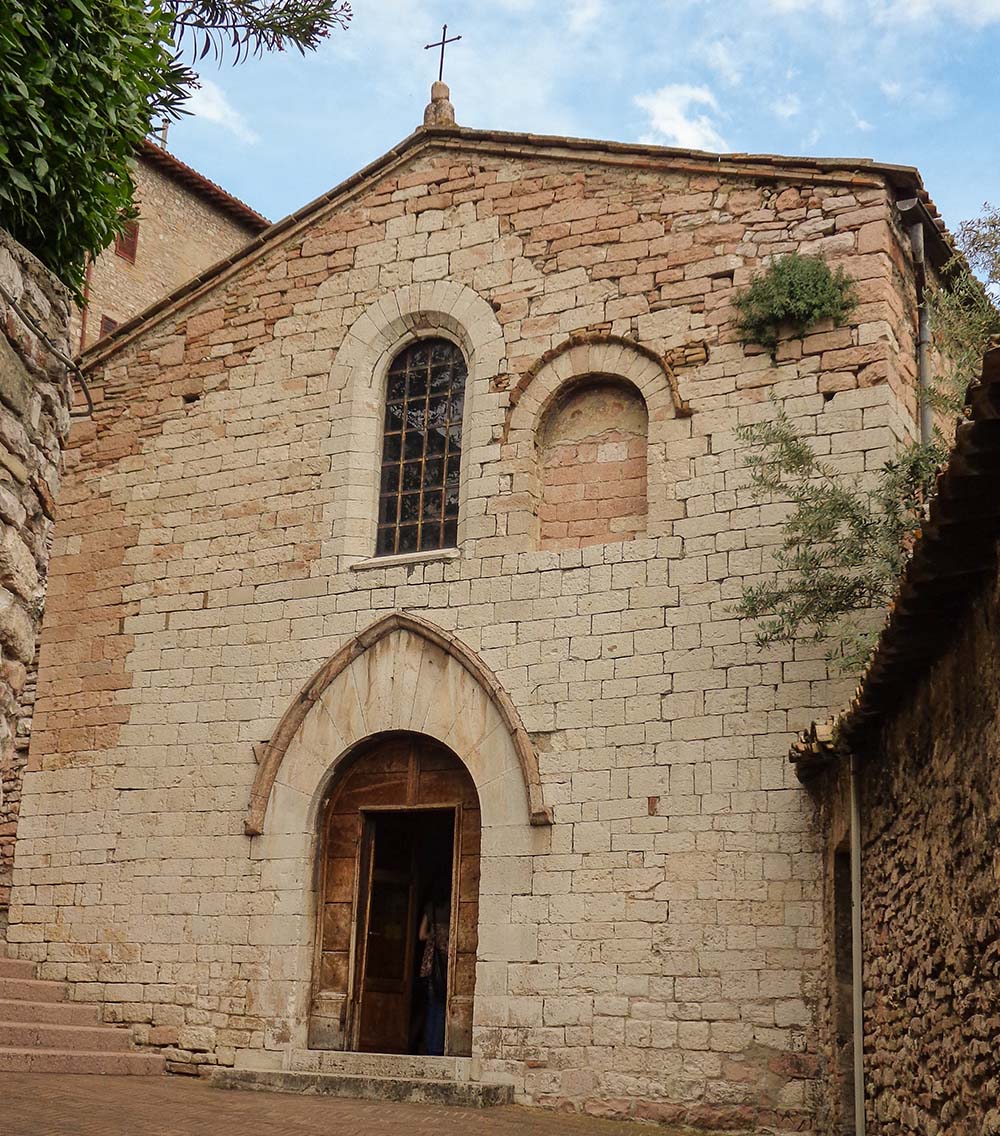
<point x="909" y="81"/>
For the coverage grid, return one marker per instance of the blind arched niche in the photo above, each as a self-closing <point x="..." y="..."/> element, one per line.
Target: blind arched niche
<point x="592" y="463"/>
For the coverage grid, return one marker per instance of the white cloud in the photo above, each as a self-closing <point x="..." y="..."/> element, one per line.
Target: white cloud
<point x="834" y="8"/>
<point x="788" y="106"/>
<point x="722" y="59"/>
<point x="584" y="15"/>
<point x="891" y="89"/>
<point x="975" y="12"/>
<point x="208" y="102"/>
<point x="673" y="118"/>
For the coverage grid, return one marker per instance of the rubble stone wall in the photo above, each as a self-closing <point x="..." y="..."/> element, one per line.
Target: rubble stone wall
<point x="34" y="409"/>
<point x="661" y="951"/>
<point x="931" y="872"/>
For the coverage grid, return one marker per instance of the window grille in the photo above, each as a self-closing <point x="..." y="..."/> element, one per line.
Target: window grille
<point x="422" y="449"/>
<point x="108" y="325"/>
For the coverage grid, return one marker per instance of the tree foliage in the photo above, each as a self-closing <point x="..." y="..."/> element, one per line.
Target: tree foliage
<point x="79" y="82"/>
<point x="843" y="544"/>
<point x="251" y="27"/>
<point x="846" y="541"/>
<point x="795" y="292"/>
<point x="83" y="81"/>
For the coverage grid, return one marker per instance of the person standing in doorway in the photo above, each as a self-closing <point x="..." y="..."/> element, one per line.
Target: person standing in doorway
<point x="435" y="926"/>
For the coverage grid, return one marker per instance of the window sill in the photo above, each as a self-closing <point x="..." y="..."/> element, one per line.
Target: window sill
<point x="402" y="559"/>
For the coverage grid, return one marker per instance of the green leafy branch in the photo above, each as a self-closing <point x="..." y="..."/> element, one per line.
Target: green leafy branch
<point x="842" y="545"/>
<point x="251" y="27"/>
<point x="83" y="81"/>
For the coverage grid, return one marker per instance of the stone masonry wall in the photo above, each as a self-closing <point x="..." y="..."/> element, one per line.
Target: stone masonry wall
<point x="34" y="403"/>
<point x="931" y="869"/>
<point x="180" y="235"/>
<point x="663" y="948"/>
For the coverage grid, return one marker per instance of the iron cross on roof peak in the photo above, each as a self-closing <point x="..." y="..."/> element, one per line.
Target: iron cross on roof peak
<point x="441" y="43"/>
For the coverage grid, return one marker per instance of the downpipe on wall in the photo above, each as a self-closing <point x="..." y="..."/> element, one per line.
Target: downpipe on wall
<point x="857" y="958"/>
<point x="912" y="213"/>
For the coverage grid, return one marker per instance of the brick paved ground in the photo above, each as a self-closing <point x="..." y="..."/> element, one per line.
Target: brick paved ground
<point x="33" y="1104"/>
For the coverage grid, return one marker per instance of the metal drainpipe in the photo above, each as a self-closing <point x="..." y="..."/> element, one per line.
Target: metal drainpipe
<point x="84" y="305"/>
<point x="857" y="957"/>
<point x="911" y="212"/>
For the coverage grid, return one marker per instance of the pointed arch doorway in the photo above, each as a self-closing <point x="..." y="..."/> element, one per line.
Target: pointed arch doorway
<point x="400" y="833"/>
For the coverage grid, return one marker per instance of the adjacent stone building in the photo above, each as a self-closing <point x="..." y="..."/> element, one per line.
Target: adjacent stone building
<point x="186" y="224"/>
<point x="401" y="549"/>
<point x="923" y="739"/>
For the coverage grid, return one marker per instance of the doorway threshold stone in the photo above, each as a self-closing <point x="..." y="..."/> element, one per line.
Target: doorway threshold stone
<point x="362" y="1086"/>
<point x="407" y="1066"/>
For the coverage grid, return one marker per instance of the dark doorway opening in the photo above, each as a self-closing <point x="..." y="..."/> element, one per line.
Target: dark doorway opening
<point x="407" y="859"/>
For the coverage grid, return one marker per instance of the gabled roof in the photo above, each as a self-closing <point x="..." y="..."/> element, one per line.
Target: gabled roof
<point x="200" y="185"/>
<point x="850" y="172"/>
<point x="953" y="558"/>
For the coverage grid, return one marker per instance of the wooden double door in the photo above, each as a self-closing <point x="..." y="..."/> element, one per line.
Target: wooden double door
<point x="401" y="834"/>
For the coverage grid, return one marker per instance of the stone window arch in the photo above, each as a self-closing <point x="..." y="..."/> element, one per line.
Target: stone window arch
<point x="442" y="310"/>
<point x="540" y="417"/>
<point x="592" y="464"/>
<point x="422" y="448"/>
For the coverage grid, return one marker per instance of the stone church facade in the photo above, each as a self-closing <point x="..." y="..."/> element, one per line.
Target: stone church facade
<point x="268" y="661"/>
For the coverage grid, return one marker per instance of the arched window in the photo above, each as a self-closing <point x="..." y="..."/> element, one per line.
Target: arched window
<point x="422" y="449"/>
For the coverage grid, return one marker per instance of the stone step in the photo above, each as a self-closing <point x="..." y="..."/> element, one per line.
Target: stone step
<point x="80" y="1061"/>
<point x="381" y="1065"/>
<point x="418" y="1090"/>
<point x="31" y="990"/>
<point x="16" y="968"/>
<point x="56" y="1013"/>
<point x="35" y="1035"/>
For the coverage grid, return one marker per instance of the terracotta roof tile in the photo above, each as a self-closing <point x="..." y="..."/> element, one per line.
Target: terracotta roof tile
<point x="173" y="167"/>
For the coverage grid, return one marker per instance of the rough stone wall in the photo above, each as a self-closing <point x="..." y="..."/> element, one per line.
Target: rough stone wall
<point x="931" y="871"/>
<point x="34" y="406"/>
<point x="665" y="957"/>
<point x="180" y="235"/>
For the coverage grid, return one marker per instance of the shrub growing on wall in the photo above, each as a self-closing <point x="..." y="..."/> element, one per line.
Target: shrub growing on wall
<point x="793" y="292"/>
<point x="845" y="542"/>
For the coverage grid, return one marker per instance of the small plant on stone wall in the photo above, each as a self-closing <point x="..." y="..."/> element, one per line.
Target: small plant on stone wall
<point x="792" y="294"/>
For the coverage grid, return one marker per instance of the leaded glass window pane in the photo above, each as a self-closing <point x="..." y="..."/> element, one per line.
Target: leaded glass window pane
<point x="422" y="450"/>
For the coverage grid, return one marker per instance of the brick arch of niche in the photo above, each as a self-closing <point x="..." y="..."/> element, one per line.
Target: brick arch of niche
<point x="442" y="309"/>
<point x="585" y="359"/>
